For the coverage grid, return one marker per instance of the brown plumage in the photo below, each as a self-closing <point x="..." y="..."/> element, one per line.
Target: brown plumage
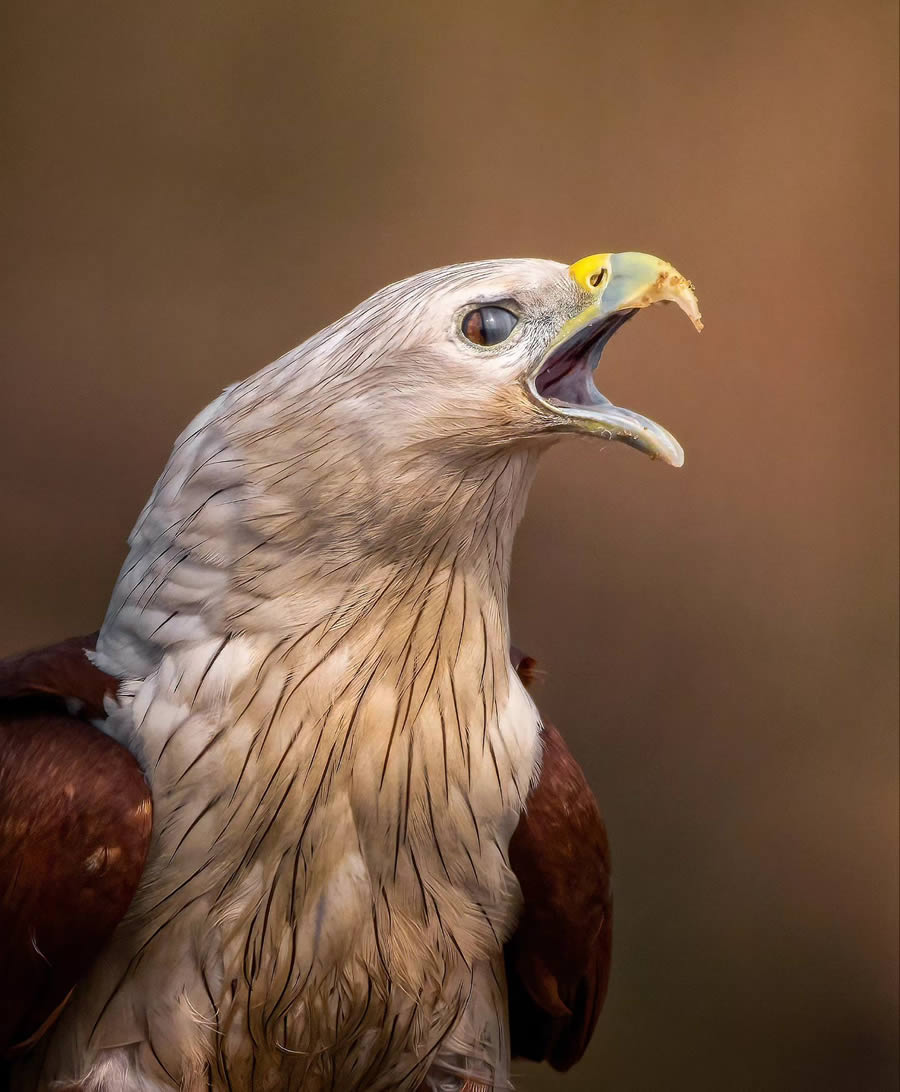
<point x="75" y="817"/>
<point x="558" y="960"/>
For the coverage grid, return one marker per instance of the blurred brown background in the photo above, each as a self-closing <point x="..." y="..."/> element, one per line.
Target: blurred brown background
<point x="191" y="189"/>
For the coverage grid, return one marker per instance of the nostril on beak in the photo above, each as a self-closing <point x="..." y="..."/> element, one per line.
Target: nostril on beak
<point x="591" y="273"/>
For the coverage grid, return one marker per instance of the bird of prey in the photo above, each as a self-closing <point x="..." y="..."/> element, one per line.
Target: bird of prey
<point x="296" y="823"/>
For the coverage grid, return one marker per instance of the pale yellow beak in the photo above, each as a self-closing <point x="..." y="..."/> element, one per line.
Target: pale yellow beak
<point x="614" y="287"/>
<point x="622" y="281"/>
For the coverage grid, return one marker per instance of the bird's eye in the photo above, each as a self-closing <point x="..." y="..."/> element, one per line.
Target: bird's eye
<point x="488" y="325"/>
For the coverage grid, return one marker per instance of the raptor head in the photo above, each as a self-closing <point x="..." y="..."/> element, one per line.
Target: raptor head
<point x="418" y="416"/>
<point x="485" y="355"/>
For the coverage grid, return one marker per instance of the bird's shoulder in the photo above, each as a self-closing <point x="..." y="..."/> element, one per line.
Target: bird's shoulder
<point x="558" y="960"/>
<point x="75" y="820"/>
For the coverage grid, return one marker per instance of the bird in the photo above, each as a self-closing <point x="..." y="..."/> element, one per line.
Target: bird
<point x="292" y="819"/>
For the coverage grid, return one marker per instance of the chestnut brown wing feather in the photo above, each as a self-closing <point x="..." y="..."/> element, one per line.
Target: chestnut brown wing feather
<point x="75" y="818"/>
<point x="558" y="960"/>
<point x="60" y="671"/>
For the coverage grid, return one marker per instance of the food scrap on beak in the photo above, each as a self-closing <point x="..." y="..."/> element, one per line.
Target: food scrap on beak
<point x="616" y="286"/>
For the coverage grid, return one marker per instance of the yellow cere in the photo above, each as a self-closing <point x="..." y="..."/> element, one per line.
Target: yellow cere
<point x="590" y="273"/>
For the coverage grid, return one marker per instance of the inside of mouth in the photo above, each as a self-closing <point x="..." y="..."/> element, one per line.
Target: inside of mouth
<point x="567" y="377"/>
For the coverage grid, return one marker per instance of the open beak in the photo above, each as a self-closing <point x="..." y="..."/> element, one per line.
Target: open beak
<point x="616" y="286"/>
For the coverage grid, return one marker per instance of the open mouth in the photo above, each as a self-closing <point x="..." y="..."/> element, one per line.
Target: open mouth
<point x="564" y="384"/>
<point x="566" y="377"/>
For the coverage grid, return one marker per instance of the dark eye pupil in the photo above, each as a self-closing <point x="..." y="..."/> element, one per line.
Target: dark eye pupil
<point x="488" y="325"/>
